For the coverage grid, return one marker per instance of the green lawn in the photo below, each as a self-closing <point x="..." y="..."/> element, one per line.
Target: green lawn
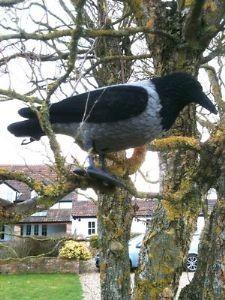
<point x="40" y="287"/>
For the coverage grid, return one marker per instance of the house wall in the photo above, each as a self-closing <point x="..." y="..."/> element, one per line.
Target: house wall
<point x="69" y="228"/>
<point x="56" y="228"/>
<point x="8" y="230"/>
<point x="80" y="226"/>
<point x="138" y="225"/>
<point x="7" y="193"/>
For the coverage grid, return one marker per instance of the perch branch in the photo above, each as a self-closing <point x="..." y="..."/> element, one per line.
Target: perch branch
<point x="174" y="142"/>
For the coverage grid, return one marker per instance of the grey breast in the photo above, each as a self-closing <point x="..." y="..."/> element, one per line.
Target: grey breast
<point x="120" y="135"/>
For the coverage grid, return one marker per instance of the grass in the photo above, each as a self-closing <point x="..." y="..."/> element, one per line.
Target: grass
<point x="40" y="287"/>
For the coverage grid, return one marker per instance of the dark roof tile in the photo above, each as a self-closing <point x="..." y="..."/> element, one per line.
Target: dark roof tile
<point x="88" y="208"/>
<point x="52" y="216"/>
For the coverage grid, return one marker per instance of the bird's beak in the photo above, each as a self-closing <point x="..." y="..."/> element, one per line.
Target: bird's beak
<point x="205" y="102"/>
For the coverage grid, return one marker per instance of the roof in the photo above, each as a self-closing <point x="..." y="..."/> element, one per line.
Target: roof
<point x="38" y="172"/>
<point x="52" y="216"/>
<point x="84" y="209"/>
<point x="144" y="207"/>
<point x="88" y="208"/>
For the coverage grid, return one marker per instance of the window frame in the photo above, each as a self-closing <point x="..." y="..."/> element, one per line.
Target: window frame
<point x="44" y="230"/>
<point x="2" y="234"/>
<point x="28" y="229"/>
<point x="36" y="229"/>
<point x="91" y="227"/>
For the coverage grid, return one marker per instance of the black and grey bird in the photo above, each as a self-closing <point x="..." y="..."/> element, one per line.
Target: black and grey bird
<point x="118" y="117"/>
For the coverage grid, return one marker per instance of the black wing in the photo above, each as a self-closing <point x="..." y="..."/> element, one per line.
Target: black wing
<point x="110" y="104"/>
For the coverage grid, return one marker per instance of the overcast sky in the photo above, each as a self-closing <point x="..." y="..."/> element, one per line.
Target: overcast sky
<point x="11" y="150"/>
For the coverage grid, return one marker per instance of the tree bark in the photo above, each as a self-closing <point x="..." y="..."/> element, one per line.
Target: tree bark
<point x="115" y="214"/>
<point x="209" y="279"/>
<point x="166" y="242"/>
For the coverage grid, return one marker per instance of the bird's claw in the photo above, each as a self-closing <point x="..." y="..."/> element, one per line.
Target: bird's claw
<point x="100" y="175"/>
<point x="104" y="176"/>
<point x="26" y="142"/>
<point x="80" y="172"/>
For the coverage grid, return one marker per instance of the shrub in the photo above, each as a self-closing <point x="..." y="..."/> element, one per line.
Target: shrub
<point x="30" y="246"/>
<point x="74" y="250"/>
<point x="94" y="241"/>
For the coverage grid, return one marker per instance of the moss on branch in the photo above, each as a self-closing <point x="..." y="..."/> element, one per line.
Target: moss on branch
<point x="176" y="142"/>
<point x="11" y="94"/>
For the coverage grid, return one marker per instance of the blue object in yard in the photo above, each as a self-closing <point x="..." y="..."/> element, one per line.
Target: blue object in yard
<point x="134" y="249"/>
<point x="135" y="245"/>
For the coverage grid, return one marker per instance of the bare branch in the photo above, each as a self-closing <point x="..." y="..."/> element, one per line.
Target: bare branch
<point x="76" y="34"/>
<point x="219" y="51"/>
<point x="142" y="195"/>
<point x="216" y="90"/>
<point x="86" y="33"/>
<point x="146" y="179"/>
<point x="193" y="20"/>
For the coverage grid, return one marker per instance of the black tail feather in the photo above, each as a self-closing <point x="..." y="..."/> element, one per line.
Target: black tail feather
<point x="29" y="128"/>
<point x="26" y="112"/>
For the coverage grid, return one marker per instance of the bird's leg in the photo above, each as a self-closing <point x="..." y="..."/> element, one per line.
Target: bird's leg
<point x="102" y="160"/>
<point x="91" y="164"/>
<point x="101" y="174"/>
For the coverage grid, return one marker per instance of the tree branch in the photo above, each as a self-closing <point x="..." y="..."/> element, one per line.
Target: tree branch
<point x="10" y="94"/>
<point x="191" y="26"/>
<point x="175" y="142"/>
<point x="85" y="33"/>
<point x="76" y="34"/>
<point x="216" y="90"/>
<point x="219" y="51"/>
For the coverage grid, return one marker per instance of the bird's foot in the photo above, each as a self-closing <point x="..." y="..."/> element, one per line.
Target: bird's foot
<point x="100" y="175"/>
<point x="80" y="172"/>
<point x="104" y="176"/>
<point x="26" y="142"/>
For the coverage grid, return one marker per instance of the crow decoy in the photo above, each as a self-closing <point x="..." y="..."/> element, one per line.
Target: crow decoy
<point x="117" y="117"/>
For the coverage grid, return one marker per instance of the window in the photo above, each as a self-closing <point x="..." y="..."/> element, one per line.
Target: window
<point x="28" y="230"/>
<point x="44" y="230"/>
<point x="2" y="232"/>
<point x="21" y="230"/>
<point x="40" y="214"/>
<point x="91" y="228"/>
<point x="36" y="229"/>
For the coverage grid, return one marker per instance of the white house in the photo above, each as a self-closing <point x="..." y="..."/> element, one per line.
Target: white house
<point x="10" y="193"/>
<point x="69" y="216"/>
<point x="56" y="220"/>
<point x="84" y="215"/>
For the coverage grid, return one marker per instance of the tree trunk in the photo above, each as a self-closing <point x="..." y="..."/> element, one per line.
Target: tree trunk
<point x="209" y="279"/>
<point x="167" y="240"/>
<point x="166" y="243"/>
<point x="115" y="214"/>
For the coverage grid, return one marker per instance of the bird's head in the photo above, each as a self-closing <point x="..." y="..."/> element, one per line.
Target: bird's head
<point x="182" y="89"/>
